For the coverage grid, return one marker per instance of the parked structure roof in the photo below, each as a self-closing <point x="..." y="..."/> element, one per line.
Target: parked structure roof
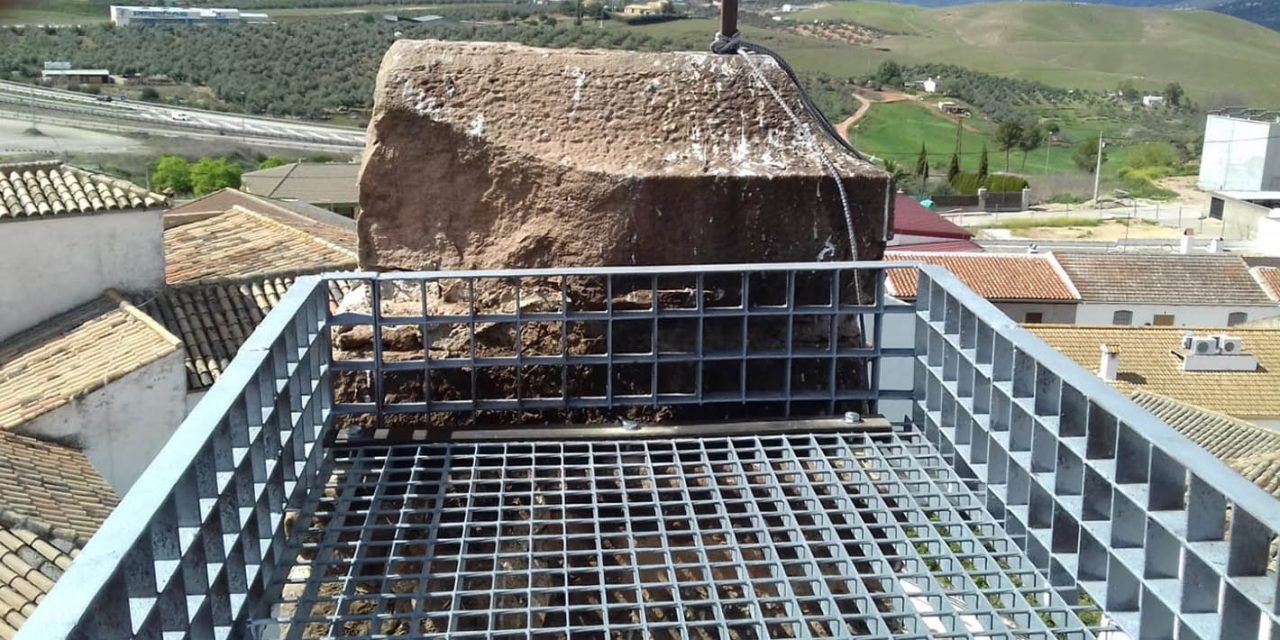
<point x="74" y="354"/>
<point x="1269" y="278"/>
<point x="1147" y="363"/>
<point x="912" y="218"/>
<point x="213" y="319"/>
<point x="240" y="244"/>
<point x="1162" y="279"/>
<point x="52" y="188"/>
<point x="317" y="183"/>
<point x="995" y="276"/>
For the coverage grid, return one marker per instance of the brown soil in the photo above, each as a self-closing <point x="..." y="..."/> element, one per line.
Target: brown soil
<point x="578" y="337"/>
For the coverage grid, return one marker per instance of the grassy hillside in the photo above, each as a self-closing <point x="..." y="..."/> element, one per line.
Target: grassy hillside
<point x="1085" y="46"/>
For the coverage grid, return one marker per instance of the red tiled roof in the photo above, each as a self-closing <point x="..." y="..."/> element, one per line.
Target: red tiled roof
<point x="952" y="246"/>
<point x="994" y="276"/>
<point x="911" y="218"/>
<point x="1269" y="278"/>
<point x="1162" y="279"/>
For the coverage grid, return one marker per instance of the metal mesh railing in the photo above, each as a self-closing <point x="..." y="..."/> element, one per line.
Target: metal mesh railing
<point x="595" y="345"/>
<point x="192" y="547"/>
<point x="1104" y="498"/>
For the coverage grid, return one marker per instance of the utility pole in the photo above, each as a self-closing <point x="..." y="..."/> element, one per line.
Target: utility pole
<point x="1097" y="172"/>
<point x="1047" y="147"/>
<point x="244" y="113"/>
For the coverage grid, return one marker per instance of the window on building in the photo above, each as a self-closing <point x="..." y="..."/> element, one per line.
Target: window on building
<point x="1122" y="317"/>
<point x="1033" y="317"/>
<point x="1236" y="318"/>
<point x="1163" y="320"/>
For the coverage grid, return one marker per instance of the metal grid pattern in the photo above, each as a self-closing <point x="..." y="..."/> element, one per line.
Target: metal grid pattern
<point x="753" y="341"/>
<point x="192" y="547"/>
<point x="1103" y="497"/>
<point x="787" y="536"/>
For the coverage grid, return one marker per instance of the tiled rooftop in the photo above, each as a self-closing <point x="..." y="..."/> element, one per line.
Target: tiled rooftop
<point x="1167" y="279"/>
<point x="52" y="188"/>
<point x="214" y="319"/>
<point x="74" y="354"/>
<point x="29" y="565"/>
<point x="1147" y="364"/>
<point x="994" y="276"/>
<point x="1269" y="278"/>
<point x="51" y="501"/>
<point x="240" y="243"/>
<point x="322" y="183"/>
<point x="324" y="224"/>
<point x="1245" y="447"/>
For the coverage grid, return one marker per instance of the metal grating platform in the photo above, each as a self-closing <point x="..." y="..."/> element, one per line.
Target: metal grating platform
<point x="787" y="536"/>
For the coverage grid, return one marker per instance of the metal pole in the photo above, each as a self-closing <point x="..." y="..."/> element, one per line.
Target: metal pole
<point x="729" y="18"/>
<point x="1047" y="147"/>
<point x="1097" y="172"/>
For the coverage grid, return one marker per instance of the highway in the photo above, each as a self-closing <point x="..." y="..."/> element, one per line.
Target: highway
<point x="70" y="106"/>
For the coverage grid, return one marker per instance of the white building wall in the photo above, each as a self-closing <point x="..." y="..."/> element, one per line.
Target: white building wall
<point x="123" y="425"/>
<point x="1240" y="155"/>
<point x="51" y="265"/>
<point x="1053" y="313"/>
<point x="1183" y="315"/>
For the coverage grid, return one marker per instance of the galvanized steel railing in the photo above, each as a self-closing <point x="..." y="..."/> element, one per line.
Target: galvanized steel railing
<point x="1102" y="497"/>
<point x="1107" y="500"/>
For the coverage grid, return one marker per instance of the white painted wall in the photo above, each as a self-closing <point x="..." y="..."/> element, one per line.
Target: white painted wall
<point x="193" y="399"/>
<point x="1183" y="315"/>
<point x="1240" y="155"/>
<point x="1269" y="234"/>
<point x="123" y="425"/>
<point x="1053" y="313"/>
<point x="51" y="265"/>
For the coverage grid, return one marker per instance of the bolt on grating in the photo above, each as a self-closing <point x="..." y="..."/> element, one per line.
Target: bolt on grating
<point x="788" y="536"/>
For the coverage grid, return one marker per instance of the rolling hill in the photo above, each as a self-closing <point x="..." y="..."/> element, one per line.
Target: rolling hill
<point x="1263" y="12"/>
<point x="1086" y="46"/>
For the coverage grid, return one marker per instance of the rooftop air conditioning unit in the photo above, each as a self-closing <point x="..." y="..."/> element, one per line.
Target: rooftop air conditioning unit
<point x="1187" y="339"/>
<point x="1203" y="346"/>
<point x="1229" y="345"/>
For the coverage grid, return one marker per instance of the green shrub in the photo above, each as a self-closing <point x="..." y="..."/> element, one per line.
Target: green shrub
<point x="1002" y="183"/>
<point x="1139" y="187"/>
<point x="1066" y="198"/>
<point x="1036" y="223"/>
<point x="966" y="183"/>
<point x="1154" y="154"/>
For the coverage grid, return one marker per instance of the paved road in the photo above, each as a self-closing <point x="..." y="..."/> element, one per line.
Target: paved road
<point x="73" y="106"/>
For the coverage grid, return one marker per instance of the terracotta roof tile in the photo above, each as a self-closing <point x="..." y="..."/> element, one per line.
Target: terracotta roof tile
<point x="1269" y="278"/>
<point x="29" y="566"/>
<point x="994" y="276"/>
<point x="1147" y="363"/>
<point x="52" y="188"/>
<point x="1245" y="447"/>
<point x="76" y="353"/>
<point x="52" y="488"/>
<point x="213" y="319"/>
<point x="240" y="243"/>
<point x="912" y="218"/>
<point x="322" y="223"/>
<point x="1169" y="279"/>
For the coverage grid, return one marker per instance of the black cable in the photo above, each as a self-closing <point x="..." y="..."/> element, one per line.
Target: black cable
<point x="814" y="111"/>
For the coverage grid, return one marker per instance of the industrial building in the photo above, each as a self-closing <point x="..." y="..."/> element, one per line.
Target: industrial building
<point x="123" y="16"/>
<point x="1241" y="151"/>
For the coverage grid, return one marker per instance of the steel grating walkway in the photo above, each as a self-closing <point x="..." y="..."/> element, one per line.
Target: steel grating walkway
<point x="738" y="537"/>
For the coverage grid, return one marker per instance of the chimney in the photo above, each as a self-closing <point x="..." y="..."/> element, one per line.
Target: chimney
<point x="1215" y="245"/>
<point x="1110" y="362"/>
<point x="1188" y="238"/>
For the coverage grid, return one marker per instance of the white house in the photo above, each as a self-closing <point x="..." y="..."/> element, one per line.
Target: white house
<point x="1029" y="288"/>
<point x="1241" y="151"/>
<point x="1166" y="290"/>
<point x="930" y="85"/>
<point x="66" y="235"/>
<point x="1152" y="101"/>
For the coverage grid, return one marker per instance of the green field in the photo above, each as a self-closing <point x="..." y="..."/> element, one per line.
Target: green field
<point x="1071" y="45"/>
<point x="55" y="12"/>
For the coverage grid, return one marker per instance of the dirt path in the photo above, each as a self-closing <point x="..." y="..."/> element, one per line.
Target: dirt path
<point x="864" y="105"/>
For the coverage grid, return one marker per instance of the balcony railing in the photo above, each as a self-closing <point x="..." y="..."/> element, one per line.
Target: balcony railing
<point x="1024" y="495"/>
